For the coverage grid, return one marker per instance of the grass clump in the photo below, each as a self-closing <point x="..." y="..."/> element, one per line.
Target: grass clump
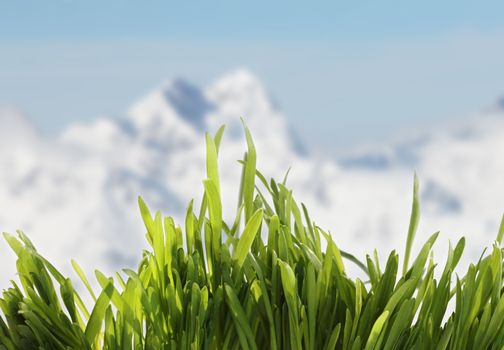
<point x="272" y="279"/>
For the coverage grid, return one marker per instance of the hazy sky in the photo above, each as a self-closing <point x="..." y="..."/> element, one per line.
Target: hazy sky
<point x="345" y="73"/>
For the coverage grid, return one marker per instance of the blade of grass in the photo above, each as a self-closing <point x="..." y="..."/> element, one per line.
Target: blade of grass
<point x="415" y="217"/>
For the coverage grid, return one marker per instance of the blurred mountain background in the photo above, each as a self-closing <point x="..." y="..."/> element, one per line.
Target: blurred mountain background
<point x="354" y="99"/>
<point x="76" y="195"/>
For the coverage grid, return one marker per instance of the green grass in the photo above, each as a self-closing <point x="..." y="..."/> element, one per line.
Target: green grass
<point x="271" y="279"/>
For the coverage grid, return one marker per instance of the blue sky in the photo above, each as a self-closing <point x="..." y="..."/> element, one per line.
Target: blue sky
<point x="345" y="73"/>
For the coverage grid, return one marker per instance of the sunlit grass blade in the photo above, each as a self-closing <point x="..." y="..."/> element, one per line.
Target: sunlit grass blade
<point x="501" y="231"/>
<point x="249" y="175"/>
<point x="98" y="314"/>
<point x="247" y="237"/>
<point x="414" y="218"/>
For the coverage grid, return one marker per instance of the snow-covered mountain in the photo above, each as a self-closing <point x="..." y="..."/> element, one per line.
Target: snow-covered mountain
<point x="76" y="195"/>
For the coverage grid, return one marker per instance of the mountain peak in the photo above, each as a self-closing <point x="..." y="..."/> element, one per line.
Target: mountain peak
<point x="241" y="91"/>
<point x="240" y="81"/>
<point x="187" y="100"/>
<point x="174" y="103"/>
<point x="177" y="112"/>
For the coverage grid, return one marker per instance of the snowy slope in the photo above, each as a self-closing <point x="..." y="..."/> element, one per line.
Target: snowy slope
<point x="76" y="195"/>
